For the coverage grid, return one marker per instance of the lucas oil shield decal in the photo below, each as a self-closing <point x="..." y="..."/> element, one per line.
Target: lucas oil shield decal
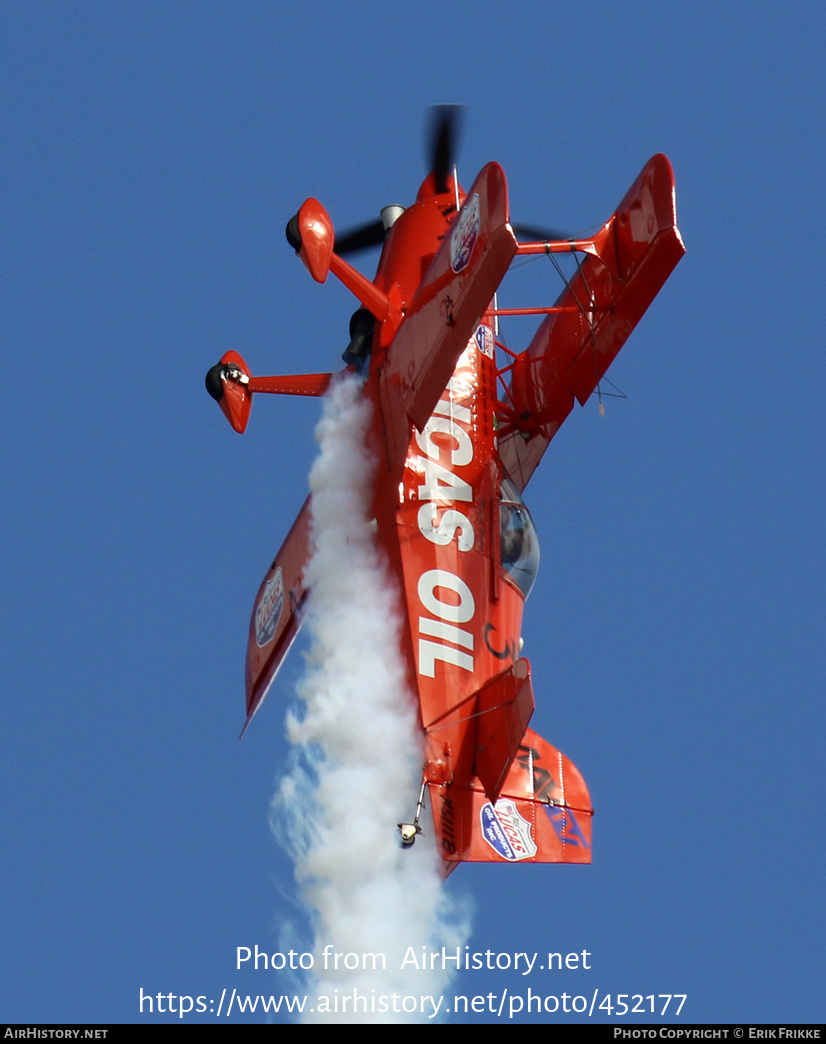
<point x="507" y="833"/>
<point x="484" y="340"/>
<point x="464" y="235"/>
<point x="268" y="610"/>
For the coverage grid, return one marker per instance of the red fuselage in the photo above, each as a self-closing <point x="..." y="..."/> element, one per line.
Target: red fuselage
<point x="452" y="460"/>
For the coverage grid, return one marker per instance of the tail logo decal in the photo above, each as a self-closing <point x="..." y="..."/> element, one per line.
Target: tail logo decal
<point x="564" y="823"/>
<point x="507" y="833"/>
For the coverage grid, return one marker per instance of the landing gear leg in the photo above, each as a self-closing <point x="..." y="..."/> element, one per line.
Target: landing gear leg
<point x="409" y="831"/>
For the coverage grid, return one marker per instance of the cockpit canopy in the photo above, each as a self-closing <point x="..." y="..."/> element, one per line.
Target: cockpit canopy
<point x="518" y="540"/>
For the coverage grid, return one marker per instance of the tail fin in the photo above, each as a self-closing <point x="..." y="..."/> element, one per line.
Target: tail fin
<point x="543" y="814"/>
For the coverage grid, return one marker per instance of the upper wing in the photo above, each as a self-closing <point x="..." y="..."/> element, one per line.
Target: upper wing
<point x="278" y="612"/>
<point x="458" y="288"/>
<point x="636" y="251"/>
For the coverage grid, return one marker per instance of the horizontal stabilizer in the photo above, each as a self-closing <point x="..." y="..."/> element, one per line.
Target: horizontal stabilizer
<point x="504" y="707"/>
<point x="543" y="814"/>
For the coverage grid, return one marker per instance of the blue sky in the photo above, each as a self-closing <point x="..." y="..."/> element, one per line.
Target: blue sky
<point x="153" y="153"/>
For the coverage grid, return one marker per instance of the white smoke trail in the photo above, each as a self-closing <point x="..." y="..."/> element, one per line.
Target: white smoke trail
<point x="360" y="758"/>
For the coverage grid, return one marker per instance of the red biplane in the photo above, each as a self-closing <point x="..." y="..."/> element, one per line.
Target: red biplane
<point x="457" y="436"/>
